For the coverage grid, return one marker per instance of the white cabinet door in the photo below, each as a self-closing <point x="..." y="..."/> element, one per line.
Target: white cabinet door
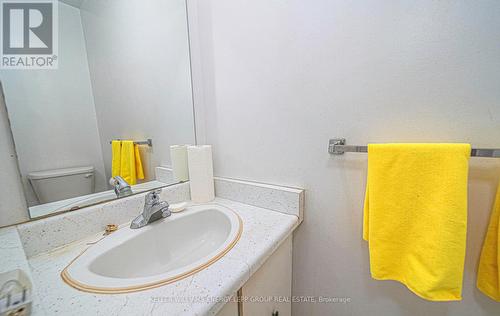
<point x="230" y="309"/>
<point x="272" y="280"/>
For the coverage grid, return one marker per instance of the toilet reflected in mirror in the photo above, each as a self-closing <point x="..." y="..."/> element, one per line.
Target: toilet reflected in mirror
<point x="61" y="184"/>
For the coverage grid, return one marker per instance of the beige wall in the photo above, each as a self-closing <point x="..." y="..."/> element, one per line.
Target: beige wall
<point x="274" y="80"/>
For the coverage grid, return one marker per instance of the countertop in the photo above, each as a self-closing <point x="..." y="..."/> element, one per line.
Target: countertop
<point x="200" y="294"/>
<point x="12" y="257"/>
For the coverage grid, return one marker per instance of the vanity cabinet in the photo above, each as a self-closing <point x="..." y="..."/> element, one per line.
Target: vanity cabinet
<point x="230" y="309"/>
<point x="268" y="292"/>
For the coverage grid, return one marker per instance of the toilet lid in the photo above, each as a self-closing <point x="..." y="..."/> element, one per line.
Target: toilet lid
<point x="59" y="172"/>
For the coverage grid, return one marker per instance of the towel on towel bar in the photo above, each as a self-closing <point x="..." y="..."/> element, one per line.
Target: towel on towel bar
<point x="126" y="161"/>
<point x="415" y="216"/>
<point x="488" y="275"/>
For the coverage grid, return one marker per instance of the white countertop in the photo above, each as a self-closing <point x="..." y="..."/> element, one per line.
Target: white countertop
<point x="263" y="231"/>
<point x="12" y="257"/>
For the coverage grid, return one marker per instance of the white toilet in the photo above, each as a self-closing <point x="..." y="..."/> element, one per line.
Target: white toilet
<point x="60" y="184"/>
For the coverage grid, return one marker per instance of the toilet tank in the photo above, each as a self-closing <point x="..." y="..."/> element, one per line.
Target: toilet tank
<point x="60" y="184"/>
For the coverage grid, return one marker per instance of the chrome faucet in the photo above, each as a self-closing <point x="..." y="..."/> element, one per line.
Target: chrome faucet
<point x="121" y="187"/>
<point x="154" y="209"/>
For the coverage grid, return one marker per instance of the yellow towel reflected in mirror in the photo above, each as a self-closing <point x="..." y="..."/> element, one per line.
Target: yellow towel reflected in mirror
<point x="126" y="161"/>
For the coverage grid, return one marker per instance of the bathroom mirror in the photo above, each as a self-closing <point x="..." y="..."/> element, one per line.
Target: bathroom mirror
<point x="123" y="73"/>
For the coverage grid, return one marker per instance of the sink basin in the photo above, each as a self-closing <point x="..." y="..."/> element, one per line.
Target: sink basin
<point x="160" y="253"/>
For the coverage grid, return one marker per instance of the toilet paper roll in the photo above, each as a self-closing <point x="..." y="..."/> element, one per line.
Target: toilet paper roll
<point x="178" y="157"/>
<point x="201" y="174"/>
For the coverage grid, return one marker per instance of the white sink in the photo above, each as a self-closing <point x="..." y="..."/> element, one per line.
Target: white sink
<point x="160" y="253"/>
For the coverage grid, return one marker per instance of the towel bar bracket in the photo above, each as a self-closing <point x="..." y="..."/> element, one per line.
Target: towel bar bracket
<point x="333" y="146"/>
<point x="337" y="146"/>
<point x="148" y="142"/>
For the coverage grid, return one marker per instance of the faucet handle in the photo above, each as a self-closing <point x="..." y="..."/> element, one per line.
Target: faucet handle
<point x="153" y="197"/>
<point x="164" y="207"/>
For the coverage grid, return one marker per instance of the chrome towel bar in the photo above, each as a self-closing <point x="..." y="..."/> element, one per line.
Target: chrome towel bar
<point x="337" y="146"/>
<point x="148" y="142"/>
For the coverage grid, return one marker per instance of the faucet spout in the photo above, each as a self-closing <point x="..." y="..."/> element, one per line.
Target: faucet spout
<point x="121" y="187"/>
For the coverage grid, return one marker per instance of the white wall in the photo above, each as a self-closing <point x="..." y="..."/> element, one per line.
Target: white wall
<point x="52" y="111"/>
<point x="139" y="63"/>
<point x="13" y="208"/>
<point x="274" y="80"/>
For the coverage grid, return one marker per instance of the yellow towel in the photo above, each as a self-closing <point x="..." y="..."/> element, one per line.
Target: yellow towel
<point x="116" y="154"/>
<point x="126" y="161"/>
<point x="488" y="276"/>
<point x="415" y="216"/>
<point x="138" y="163"/>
